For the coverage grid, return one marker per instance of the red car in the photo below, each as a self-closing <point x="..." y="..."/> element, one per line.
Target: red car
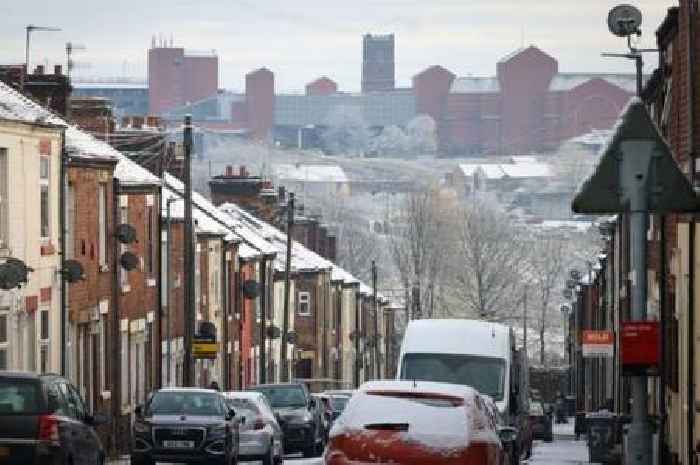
<point x="416" y="423"/>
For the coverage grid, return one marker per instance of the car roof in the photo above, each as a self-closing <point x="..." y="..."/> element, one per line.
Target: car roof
<point x="426" y="387"/>
<point x="281" y="385"/>
<point x="188" y="389"/>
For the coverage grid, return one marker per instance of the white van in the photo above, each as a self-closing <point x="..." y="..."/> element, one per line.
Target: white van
<point x="474" y="353"/>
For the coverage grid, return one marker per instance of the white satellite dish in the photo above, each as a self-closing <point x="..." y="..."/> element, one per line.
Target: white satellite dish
<point x="624" y="20"/>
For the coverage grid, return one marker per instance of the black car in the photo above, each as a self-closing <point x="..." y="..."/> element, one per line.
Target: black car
<point x="185" y="425"/>
<point x="43" y="420"/>
<point x="298" y="415"/>
<point x="540" y="422"/>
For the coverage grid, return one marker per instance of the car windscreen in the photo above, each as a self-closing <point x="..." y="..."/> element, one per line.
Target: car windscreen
<point x="281" y="397"/>
<point x="339" y="403"/>
<point x="185" y="403"/>
<point x="485" y="374"/>
<point x="20" y="396"/>
<point x="243" y="407"/>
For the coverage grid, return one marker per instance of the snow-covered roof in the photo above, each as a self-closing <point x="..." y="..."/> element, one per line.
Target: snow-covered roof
<point x="204" y="223"/>
<point x="523" y="159"/>
<point x="310" y="173"/>
<point x="527" y="170"/>
<point x="568" y="81"/>
<point x="78" y="142"/>
<point x="580" y="226"/>
<point x="475" y="85"/>
<point x="490" y="170"/>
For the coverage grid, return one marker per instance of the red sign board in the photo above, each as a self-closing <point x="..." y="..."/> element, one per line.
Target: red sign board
<point x="639" y="341"/>
<point x="597" y="343"/>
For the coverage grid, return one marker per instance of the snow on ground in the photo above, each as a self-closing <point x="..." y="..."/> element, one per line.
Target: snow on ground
<point x="559" y="452"/>
<point x="564" y="429"/>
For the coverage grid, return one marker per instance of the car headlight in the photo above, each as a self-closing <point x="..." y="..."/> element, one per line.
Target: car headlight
<point x="141" y="427"/>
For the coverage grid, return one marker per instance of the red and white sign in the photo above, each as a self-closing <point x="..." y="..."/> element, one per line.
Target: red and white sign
<point x="597" y="343"/>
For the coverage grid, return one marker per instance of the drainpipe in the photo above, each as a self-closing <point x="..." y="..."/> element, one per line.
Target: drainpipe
<point x="156" y="342"/>
<point x="116" y="343"/>
<point x="225" y="382"/>
<point x="263" y="320"/>
<point x="691" y="240"/>
<point x="62" y="247"/>
<point x="663" y="314"/>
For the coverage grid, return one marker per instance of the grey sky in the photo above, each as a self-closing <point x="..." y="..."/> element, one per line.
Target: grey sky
<point x="301" y="40"/>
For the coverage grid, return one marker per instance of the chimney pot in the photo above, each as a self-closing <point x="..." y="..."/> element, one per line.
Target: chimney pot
<point x="39" y="70"/>
<point x="58" y="70"/>
<point x="244" y="173"/>
<point x="229" y="170"/>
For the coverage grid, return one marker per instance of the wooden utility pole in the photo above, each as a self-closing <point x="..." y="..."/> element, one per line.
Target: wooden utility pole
<point x="188" y="271"/>
<point x="284" y="369"/>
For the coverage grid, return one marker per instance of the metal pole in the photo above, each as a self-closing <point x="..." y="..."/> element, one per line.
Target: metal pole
<point x="525" y="319"/>
<point x="639" y="65"/>
<point x="168" y="292"/>
<point x="189" y="275"/>
<point x="357" y="339"/>
<point x="284" y="368"/>
<point x="26" y="50"/>
<point x="377" y="352"/>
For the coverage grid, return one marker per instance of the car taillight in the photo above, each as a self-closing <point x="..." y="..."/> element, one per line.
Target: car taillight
<point x="48" y="429"/>
<point x="259" y="424"/>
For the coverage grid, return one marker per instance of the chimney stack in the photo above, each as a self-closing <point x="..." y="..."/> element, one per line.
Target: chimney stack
<point x="58" y="70"/>
<point x="39" y="70"/>
<point x="244" y="173"/>
<point x="229" y="171"/>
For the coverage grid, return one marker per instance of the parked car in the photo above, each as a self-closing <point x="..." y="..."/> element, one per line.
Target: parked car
<point x="185" y="425"/>
<point x="43" y="420"/>
<point x="260" y="435"/>
<point x="296" y="413"/>
<point x="540" y="422"/>
<point x="418" y="423"/>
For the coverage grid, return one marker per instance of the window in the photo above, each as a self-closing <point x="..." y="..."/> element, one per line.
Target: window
<point x="4" y="340"/>
<point x="45" y="198"/>
<point x="304" y="304"/>
<point x="102" y="219"/>
<point x="44" y="361"/>
<point x="4" y="204"/>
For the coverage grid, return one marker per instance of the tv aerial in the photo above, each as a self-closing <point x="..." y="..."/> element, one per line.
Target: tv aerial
<point x="625" y="20"/>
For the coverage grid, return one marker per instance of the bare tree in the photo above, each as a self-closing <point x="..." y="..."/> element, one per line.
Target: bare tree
<point x="418" y="242"/>
<point x="486" y="263"/>
<point x="422" y="134"/>
<point x="545" y="275"/>
<point x="347" y="132"/>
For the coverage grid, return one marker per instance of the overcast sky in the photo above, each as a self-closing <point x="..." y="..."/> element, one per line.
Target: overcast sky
<point x="303" y="39"/>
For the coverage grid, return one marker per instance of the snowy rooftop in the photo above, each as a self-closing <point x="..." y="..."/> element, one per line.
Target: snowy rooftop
<point x="78" y="142"/>
<point x="310" y="173"/>
<point x="475" y="85"/>
<point x="490" y="170"/>
<point x="523" y="168"/>
<point x="569" y="81"/>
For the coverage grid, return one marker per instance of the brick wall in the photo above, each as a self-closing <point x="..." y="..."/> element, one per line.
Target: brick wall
<point x="260" y="99"/>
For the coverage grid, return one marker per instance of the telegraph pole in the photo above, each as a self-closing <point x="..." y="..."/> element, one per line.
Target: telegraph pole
<point x="377" y="353"/>
<point x="284" y="375"/>
<point x="189" y="275"/>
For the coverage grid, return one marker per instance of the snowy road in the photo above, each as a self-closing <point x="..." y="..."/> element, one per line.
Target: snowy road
<point x="559" y="452"/>
<point x="292" y="461"/>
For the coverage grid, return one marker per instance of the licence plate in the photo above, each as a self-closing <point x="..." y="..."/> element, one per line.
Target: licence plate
<point x="4" y="451"/>
<point x="178" y="444"/>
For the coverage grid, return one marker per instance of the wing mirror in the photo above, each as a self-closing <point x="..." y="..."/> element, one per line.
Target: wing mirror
<point x="230" y="414"/>
<point x="507" y="434"/>
<point x="312" y="403"/>
<point x="138" y="411"/>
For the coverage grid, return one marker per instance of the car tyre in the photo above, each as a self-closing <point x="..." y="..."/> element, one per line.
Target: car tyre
<point x="142" y="461"/>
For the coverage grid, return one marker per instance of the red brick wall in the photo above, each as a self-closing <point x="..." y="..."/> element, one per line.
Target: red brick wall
<point x="85" y="295"/>
<point x="260" y="98"/>
<point x="322" y="86"/>
<point x="201" y="75"/>
<point x="431" y="88"/>
<point x="166" y="79"/>
<point x="247" y="325"/>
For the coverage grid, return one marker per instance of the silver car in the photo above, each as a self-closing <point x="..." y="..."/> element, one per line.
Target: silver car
<point x="260" y="434"/>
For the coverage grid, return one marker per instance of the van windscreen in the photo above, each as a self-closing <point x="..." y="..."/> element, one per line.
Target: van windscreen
<point x="485" y="374"/>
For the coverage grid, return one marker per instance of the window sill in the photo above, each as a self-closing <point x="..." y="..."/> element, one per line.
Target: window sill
<point x="151" y="282"/>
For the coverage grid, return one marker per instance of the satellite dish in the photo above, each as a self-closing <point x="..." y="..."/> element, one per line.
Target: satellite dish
<point x="126" y="234"/>
<point x="251" y="289"/>
<point x="625" y="20"/>
<point x="273" y="332"/>
<point x="13" y="273"/>
<point x="207" y="329"/>
<point x="129" y="261"/>
<point x="73" y="271"/>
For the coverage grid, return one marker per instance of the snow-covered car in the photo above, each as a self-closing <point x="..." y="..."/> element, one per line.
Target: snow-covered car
<point x="417" y="423"/>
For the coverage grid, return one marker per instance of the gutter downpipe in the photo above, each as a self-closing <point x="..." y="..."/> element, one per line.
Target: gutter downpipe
<point x="116" y="343"/>
<point x="225" y="381"/>
<point x="62" y="245"/>
<point x="691" y="239"/>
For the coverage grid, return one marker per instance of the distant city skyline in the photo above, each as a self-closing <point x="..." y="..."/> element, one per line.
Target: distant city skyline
<point x="312" y="38"/>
